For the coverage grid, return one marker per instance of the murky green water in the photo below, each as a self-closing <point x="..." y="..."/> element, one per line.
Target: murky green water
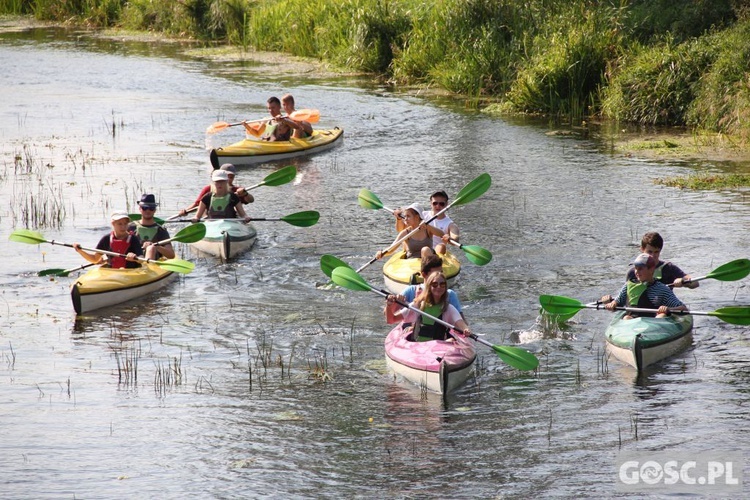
<point x="277" y="388"/>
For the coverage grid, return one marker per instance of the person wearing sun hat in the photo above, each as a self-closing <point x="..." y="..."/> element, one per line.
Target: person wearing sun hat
<point x="645" y="292"/>
<point x="150" y="232"/>
<point x="418" y="244"/>
<point x="438" y="201"/>
<point x="243" y="194"/>
<point x="220" y="203"/>
<point x="119" y="240"/>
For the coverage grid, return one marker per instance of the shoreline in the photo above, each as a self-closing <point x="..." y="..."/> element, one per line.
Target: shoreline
<point x="628" y="140"/>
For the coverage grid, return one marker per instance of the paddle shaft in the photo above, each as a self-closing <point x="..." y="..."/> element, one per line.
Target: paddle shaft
<point x="79" y="268"/>
<point x="599" y="305"/>
<point x="104" y="252"/>
<point x="177" y="216"/>
<point x="63" y="272"/>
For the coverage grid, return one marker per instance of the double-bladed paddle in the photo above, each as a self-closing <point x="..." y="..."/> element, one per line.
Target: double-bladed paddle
<point x="476" y="254"/>
<point x="35" y="238"/>
<point x="469" y="193"/>
<point x="731" y="271"/>
<point x="62" y="272"/>
<point x="278" y="178"/>
<point x="514" y="356"/>
<point x="300" y="219"/>
<point x="555" y="304"/>
<point x="307" y="115"/>
<point x="189" y="234"/>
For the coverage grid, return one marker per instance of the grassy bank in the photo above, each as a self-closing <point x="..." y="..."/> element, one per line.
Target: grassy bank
<point x="655" y="62"/>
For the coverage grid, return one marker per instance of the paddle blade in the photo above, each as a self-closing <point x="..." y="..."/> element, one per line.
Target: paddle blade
<point x="736" y="315"/>
<point x="175" y="265"/>
<point x="302" y="219"/>
<point x="282" y="176"/>
<point x="556" y="304"/>
<point x="516" y="357"/>
<point x="328" y="263"/>
<point x="27" y="236"/>
<point x="307" y="115"/>
<point x="137" y="217"/>
<point x="217" y="127"/>
<point x="477" y="255"/>
<point x="731" y="271"/>
<point x="474" y="189"/>
<point x="191" y="233"/>
<point x="346" y="277"/>
<point x="368" y="199"/>
<point x="53" y="272"/>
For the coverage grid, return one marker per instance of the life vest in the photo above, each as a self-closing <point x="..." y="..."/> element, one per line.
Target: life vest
<point x="271" y="131"/>
<point x="118" y="246"/>
<point x="428" y="329"/>
<point x="146" y="233"/>
<point x="637" y="298"/>
<point x="658" y="272"/>
<point x="220" y="207"/>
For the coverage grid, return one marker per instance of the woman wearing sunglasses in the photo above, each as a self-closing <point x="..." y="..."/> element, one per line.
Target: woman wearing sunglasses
<point x="433" y="300"/>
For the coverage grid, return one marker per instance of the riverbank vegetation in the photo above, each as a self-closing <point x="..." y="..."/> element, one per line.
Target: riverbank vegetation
<point x="649" y="62"/>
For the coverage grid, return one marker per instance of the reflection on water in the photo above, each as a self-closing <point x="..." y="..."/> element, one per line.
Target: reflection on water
<point x="250" y="378"/>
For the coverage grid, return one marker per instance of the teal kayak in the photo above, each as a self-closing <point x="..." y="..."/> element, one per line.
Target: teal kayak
<point x="643" y="341"/>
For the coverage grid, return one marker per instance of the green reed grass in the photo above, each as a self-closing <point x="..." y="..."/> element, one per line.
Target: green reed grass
<point x="666" y="62"/>
<point x="657" y="84"/>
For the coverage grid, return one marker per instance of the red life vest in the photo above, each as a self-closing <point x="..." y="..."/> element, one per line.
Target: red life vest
<point x="118" y="246"/>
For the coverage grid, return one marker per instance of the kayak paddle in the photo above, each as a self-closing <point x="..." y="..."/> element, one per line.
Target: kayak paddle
<point x="555" y="304"/>
<point x="307" y="115"/>
<point x="469" y="193"/>
<point x="476" y="254"/>
<point x="35" y="238"/>
<point x="514" y="356"/>
<point x="136" y="217"/>
<point x="300" y="219"/>
<point x="277" y="178"/>
<point x="189" y="234"/>
<point x="731" y="271"/>
<point x="62" y="272"/>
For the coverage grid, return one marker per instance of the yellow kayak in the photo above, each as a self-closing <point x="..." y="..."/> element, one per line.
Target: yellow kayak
<point x="250" y="151"/>
<point x="400" y="272"/>
<point x="104" y="286"/>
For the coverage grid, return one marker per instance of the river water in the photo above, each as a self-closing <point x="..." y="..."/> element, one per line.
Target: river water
<point x="249" y="379"/>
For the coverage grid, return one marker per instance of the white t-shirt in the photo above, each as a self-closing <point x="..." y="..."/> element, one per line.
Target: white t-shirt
<point x="441" y="224"/>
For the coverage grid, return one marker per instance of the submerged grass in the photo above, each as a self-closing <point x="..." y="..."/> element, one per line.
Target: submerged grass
<point x="707" y="181"/>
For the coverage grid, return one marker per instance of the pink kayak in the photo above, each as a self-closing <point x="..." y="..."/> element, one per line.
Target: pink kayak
<point x="436" y="365"/>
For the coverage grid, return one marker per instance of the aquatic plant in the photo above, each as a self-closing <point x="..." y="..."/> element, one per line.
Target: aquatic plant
<point x="656" y="85"/>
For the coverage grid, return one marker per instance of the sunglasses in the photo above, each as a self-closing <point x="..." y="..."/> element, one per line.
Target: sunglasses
<point x="438" y="203"/>
<point x="150" y="209"/>
<point x="437" y="284"/>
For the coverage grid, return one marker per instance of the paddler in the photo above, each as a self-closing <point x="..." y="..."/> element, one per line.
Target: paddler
<point x="240" y="191"/>
<point x="302" y="128"/>
<point x="119" y="240"/>
<point x="433" y="300"/>
<point x="645" y="292"/>
<point x="652" y="243"/>
<point x="150" y="232"/>
<point x="221" y="203"/>
<point x="438" y="201"/>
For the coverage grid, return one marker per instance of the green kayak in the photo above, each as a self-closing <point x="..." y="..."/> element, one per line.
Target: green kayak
<point x="642" y="342"/>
